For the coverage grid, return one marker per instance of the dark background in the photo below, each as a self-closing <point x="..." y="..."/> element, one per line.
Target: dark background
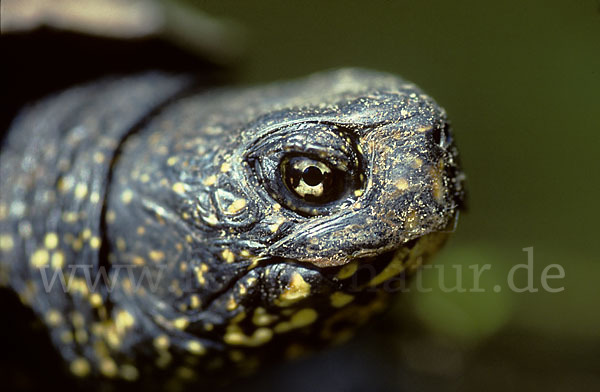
<point x="521" y="83"/>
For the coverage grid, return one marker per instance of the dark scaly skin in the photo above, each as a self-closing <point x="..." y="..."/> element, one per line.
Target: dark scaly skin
<point x="206" y="262"/>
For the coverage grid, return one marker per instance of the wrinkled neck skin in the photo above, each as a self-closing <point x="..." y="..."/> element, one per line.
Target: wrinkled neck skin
<point x="196" y="202"/>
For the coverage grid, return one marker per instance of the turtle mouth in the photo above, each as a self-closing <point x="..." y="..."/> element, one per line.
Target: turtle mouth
<point x="352" y="275"/>
<point x="357" y="275"/>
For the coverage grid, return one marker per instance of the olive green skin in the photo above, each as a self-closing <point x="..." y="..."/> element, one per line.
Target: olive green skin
<point x="184" y="255"/>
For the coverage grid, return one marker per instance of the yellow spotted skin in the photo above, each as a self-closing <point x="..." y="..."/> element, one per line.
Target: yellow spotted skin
<point x="151" y="230"/>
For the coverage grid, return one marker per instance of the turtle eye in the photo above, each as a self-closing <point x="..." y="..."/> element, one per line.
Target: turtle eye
<point x="311" y="169"/>
<point x="312" y="180"/>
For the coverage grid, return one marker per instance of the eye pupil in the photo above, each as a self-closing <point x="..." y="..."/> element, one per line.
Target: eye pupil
<point x="312" y="176"/>
<point x="312" y="181"/>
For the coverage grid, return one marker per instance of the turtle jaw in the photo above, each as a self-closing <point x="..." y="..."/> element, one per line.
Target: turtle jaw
<point x="283" y="301"/>
<point x="389" y="270"/>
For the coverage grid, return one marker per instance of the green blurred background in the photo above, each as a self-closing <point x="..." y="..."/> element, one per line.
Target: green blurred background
<point x="521" y="83"/>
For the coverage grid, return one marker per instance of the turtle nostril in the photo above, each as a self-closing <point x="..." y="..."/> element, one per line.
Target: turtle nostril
<point x="436" y="136"/>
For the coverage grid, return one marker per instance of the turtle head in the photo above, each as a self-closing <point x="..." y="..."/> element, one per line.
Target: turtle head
<point x="292" y="206"/>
